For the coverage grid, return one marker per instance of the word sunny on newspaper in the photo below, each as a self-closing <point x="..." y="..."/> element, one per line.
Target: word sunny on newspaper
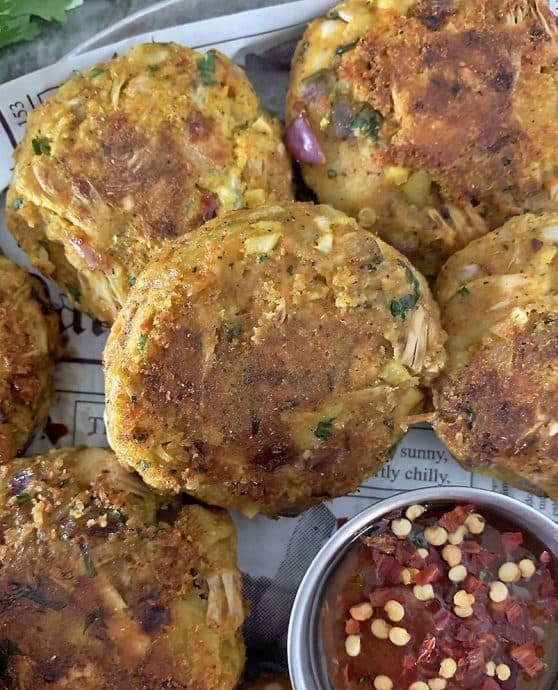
<point x="272" y="554"/>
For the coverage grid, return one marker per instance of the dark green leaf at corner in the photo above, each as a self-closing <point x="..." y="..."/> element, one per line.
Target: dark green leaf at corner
<point x="16" y="203"/>
<point x="388" y="422"/>
<point x="234" y="332"/>
<point x="143" y="465"/>
<point x="153" y="68"/>
<point x="324" y="429"/>
<point x="374" y="262"/>
<point x="401" y="307"/>
<point x="460" y="294"/>
<point x="131" y="280"/>
<point x="95" y="72"/>
<point x="206" y="68"/>
<point x="318" y="74"/>
<point x="367" y="123"/>
<point x="342" y="49"/>
<point x="142" y="340"/>
<point x="40" y="147"/>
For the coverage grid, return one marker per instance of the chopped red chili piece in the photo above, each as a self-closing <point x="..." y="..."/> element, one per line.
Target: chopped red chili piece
<point x="441" y="619"/>
<point x="406" y="554"/>
<point x="471" y="547"/>
<point x="471" y="584"/>
<point x="352" y="627"/>
<point x="526" y="656"/>
<point x="381" y="595"/>
<point x="428" y="575"/>
<point x="548" y="588"/>
<point x="510" y="541"/>
<point x="455" y="518"/>
<point x="513" y="610"/>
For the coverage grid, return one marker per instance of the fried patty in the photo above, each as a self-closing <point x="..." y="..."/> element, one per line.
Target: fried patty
<point x="436" y="118"/>
<point x="29" y="345"/>
<point x="131" y="154"/>
<point x="105" y="585"/>
<point x="269" y="681"/>
<point x="497" y="402"/>
<point x="270" y="360"/>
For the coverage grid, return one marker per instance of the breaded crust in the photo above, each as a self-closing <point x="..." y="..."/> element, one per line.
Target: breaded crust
<point x="497" y="402"/>
<point x="29" y="345"/>
<point x="270" y="360"/>
<point x="269" y="681"/>
<point x="133" y="153"/>
<point x="436" y="118"/>
<point x="106" y="586"/>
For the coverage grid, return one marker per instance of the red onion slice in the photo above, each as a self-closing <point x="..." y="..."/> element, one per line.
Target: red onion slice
<point x="302" y="143"/>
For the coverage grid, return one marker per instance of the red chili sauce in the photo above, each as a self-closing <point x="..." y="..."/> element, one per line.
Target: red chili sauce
<point x="442" y="599"/>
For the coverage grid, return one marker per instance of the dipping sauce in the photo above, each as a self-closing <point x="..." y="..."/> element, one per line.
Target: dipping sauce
<point x="442" y="598"/>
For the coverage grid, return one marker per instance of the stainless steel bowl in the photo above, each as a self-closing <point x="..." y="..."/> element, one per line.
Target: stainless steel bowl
<point x="306" y="661"/>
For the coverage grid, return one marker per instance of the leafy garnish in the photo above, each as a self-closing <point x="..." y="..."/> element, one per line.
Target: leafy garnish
<point x="460" y="294"/>
<point x="74" y="291"/>
<point x="471" y="416"/>
<point x="40" y="147"/>
<point x="206" y="68"/>
<point x="16" y="203"/>
<point x="131" y="280"/>
<point x="89" y="565"/>
<point x="400" y="307"/>
<point x="16" y="17"/>
<point x="483" y="575"/>
<point x="234" y="332"/>
<point x="367" y="123"/>
<point x="388" y="422"/>
<point x="153" y="68"/>
<point x="331" y="173"/>
<point x="39" y="598"/>
<point x="23" y="497"/>
<point x="318" y="74"/>
<point x="143" y="465"/>
<point x="43" y="244"/>
<point x="95" y="72"/>
<point x="92" y="617"/>
<point x="141" y="347"/>
<point x="340" y="50"/>
<point x="324" y="429"/>
<point x="374" y="262"/>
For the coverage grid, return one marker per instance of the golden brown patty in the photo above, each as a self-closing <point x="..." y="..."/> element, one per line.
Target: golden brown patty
<point x="133" y="153"/>
<point x="29" y="343"/>
<point x="270" y="360"/>
<point x="269" y="681"/>
<point x="106" y="586"/>
<point x="437" y="119"/>
<point x="497" y="402"/>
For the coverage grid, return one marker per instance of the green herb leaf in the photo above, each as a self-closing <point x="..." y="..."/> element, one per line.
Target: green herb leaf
<point x="471" y="416"/>
<point x="92" y="617"/>
<point x="400" y="307"/>
<point x="206" y="68"/>
<point x="153" y="68"/>
<point x="261" y="258"/>
<point x="39" y="598"/>
<point x="43" y="244"/>
<point x="340" y="50"/>
<point x="374" y="262"/>
<point x="16" y="17"/>
<point x="95" y="72"/>
<point x="131" y="280"/>
<point x="388" y="422"/>
<point x="459" y="294"/>
<point x="234" y="332"/>
<point x="141" y="347"/>
<point x="76" y="73"/>
<point x="333" y="14"/>
<point x="483" y="575"/>
<point x="367" y="123"/>
<point x="331" y="174"/>
<point x="324" y="429"/>
<point x="74" y="291"/>
<point x="16" y="203"/>
<point x="23" y="497"/>
<point x="40" y="147"/>
<point x="318" y="74"/>
<point x="143" y="465"/>
<point x="89" y="565"/>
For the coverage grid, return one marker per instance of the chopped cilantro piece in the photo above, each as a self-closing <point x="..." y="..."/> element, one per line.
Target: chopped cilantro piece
<point x="40" y="147"/>
<point x="143" y="465"/>
<point x="400" y="307"/>
<point x="471" y="416"/>
<point x="87" y="562"/>
<point x="153" y="68"/>
<point x="95" y="72"/>
<point x="340" y="50"/>
<point x="324" y="429"/>
<point x="483" y="575"/>
<point x="234" y="332"/>
<point x="43" y="244"/>
<point x="460" y="294"/>
<point x="388" y="422"/>
<point x="261" y="258"/>
<point x="74" y="291"/>
<point x="92" y="617"/>
<point x="76" y="73"/>
<point x="131" y="280"/>
<point x="141" y="347"/>
<point x="206" y="68"/>
<point x="333" y="14"/>
<point x="304" y="47"/>
<point x="367" y="123"/>
<point x="318" y="74"/>
<point x="16" y="203"/>
<point x="23" y="497"/>
<point x="374" y="262"/>
<point x="331" y="173"/>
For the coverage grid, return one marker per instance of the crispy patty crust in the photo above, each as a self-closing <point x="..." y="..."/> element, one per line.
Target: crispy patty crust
<point x="270" y="360"/>
<point x="29" y="345"/>
<point x="497" y="402"/>
<point x="105" y="586"/>
<point x="131" y="154"/>
<point x="437" y="119"/>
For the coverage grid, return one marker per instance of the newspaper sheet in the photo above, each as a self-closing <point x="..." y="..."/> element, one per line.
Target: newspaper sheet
<point x="272" y="554"/>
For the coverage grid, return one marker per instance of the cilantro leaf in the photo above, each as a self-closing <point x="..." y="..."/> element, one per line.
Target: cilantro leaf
<point x="206" y="68"/>
<point x="17" y="17"/>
